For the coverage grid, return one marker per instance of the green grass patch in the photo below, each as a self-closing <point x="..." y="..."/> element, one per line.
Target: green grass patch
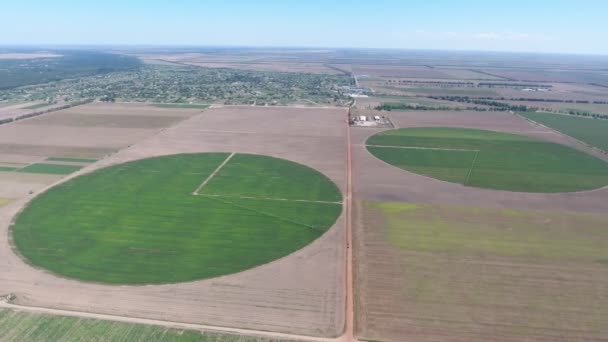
<point x="7" y="169"/>
<point x="138" y="223"/>
<point x="34" y="327"/>
<point x="503" y="161"/>
<point x="480" y="232"/>
<point x="5" y="201"/>
<point x="181" y="105"/>
<point x="72" y="160"/>
<point x="53" y="169"/>
<point x="591" y="131"/>
<point x="37" y="106"/>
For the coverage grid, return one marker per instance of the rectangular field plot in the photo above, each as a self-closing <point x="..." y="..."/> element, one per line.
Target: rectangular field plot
<point x="49" y="150"/>
<point x="591" y="131"/>
<point x="100" y="120"/>
<point x="181" y="106"/>
<point x="34" y="327"/>
<point x="433" y="273"/>
<point x="53" y="169"/>
<point x="71" y="160"/>
<point x="281" y="180"/>
<point x="36" y="106"/>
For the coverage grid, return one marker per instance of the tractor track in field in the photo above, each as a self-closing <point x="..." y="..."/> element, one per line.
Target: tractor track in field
<point x="215" y="172"/>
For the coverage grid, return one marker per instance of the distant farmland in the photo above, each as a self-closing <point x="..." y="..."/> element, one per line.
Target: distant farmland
<point x="591" y="131"/>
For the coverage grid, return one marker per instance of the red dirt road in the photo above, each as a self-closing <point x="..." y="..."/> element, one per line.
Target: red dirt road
<point x="350" y="314"/>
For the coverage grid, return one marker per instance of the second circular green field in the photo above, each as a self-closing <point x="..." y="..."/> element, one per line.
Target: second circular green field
<point x="488" y="159"/>
<point x="176" y="218"/>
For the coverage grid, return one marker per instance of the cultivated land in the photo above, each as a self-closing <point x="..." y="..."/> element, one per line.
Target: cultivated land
<point x="437" y="272"/>
<point x="254" y="210"/>
<point x="438" y="261"/>
<point x="489" y="159"/>
<point x="302" y="293"/>
<point x="591" y="131"/>
<point x="513" y="267"/>
<point x="31" y="327"/>
<point x="34" y="152"/>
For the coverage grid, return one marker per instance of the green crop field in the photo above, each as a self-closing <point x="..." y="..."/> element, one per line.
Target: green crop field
<point x="33" y="327"/>
<point x="54" y="169"/>
<point x="141" y="222"/>
<point x="74" y="160"/>
<point x="591" y="131"/>
<point x="488" y="159"/>
<point x="7" y="168"/>
<point x="182" y="106"/>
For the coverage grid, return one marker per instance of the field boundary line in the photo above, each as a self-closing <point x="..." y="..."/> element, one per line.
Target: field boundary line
<point x="270" y="199"/>
<point x="349" y="295"/>
<point x="163" y="323"/>
<point x="425" y="148"/>
<point x="558" y="132"/>
<point x="466" y="180"/>
<point x="269" y="215"/>
<point x="200" y="187"/>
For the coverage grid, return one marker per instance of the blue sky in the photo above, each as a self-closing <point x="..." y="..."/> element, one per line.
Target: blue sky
<point x="509" y="25"/>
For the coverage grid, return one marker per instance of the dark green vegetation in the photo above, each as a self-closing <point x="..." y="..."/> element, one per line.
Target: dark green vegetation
<point x="37" y="106"/>
<point x="140" y="222"/>
<point x="478" y="274"/>
<point x="72" y="64"/>
<point x="591" y="131"/>
<point x="390" y="106"/>
<point x="54" y="169"/>
<point x="33" y="327"/>
<point x="74" y="160"/>
<point x="182" y="106"/>
<point x="489" y="159"/>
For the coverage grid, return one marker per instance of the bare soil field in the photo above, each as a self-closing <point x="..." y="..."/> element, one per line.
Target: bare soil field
<point x="16" y="110"/>
<point x="566" y="76"/>
<point x="314" y="68"/>
<point x="399" y="71"/>
<point x="300" y="294"/>
<point x="265" y="63"/>
<point x="442" y="288"/>
<point x="21" y="185"/>
<point x="428" y="295"/>
<point x="103" y="120"/>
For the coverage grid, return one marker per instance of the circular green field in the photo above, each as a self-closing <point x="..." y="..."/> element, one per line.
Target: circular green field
<point x="488" y="159"/>
<point x="176" y="218"/>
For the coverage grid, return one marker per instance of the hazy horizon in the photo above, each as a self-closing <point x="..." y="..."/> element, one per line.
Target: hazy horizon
<point x="561" y="27"/>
